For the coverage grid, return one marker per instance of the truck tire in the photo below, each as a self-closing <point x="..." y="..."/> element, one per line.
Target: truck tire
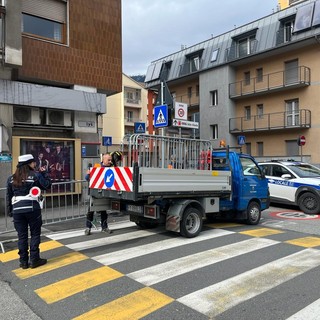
<point x="309" y="203"/>
<point x="253" y="213"/>
<point x="191" y="223"/>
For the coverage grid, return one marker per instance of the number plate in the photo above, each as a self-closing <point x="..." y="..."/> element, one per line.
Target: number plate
<point x="133" y="208"/>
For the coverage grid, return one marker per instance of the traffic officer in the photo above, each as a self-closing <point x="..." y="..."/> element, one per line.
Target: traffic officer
<point x="24" y="202"/>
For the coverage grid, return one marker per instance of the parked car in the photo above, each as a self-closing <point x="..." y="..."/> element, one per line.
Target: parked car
<point x="294" y="183"/>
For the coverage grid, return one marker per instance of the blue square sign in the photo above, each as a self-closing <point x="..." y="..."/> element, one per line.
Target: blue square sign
<point x="161" y="116"/>
<point x="107" y="141"/>
<point x="139" y="127"/>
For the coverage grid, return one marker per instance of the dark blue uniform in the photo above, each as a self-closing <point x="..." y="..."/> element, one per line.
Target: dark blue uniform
<point x="26" y="212"/>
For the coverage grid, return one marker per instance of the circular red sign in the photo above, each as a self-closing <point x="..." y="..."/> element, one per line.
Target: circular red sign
<point x="302" y="140"/>
<point x="180" y="112"/>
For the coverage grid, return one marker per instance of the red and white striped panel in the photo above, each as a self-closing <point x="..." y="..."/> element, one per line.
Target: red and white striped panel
<point x="122" y="178"/>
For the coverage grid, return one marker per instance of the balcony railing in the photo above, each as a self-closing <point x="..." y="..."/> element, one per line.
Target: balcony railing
<point x="132" y="101"/>
<point x="190" y="67"/>
<point x="291" y="78"/>
<point x="271" y="121"/>
<point x="237" y="51"/>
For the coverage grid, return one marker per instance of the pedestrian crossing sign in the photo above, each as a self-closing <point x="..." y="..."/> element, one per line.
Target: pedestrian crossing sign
<point x="161" y="116"/>
<point x="139" y="127"/>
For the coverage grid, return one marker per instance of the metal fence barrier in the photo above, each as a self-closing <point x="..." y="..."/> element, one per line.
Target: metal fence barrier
<point x="65" y="201"/>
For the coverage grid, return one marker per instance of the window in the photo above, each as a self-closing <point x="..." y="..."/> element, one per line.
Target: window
<point x="189" y="92"/>
<point x="259" y="111"/>
<point x="260" y="149"/>
<point x="214" y="97"/>
<point x="248" y="147"/>
<point x="259" y="74"/>
<point x="247" y="78"/>
<point x="214" y="131"/>
<point x="129" y="116"/>
<point x="287" y="30"/>
<point x="247" y="113"/>
<point x="246" y="46"/>
<point x="45" y="18"/>
<point x="292" y="148"/>
<point x="291" y="75"/>
<point x="214" y="56"/>
<point x="197" y="90"/>
<point x="292" y="112"/>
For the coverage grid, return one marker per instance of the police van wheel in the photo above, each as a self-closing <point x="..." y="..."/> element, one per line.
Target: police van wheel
<point x="309" y="203"/>
<point x="253" y="213"/>
<point x="191" y="223"/>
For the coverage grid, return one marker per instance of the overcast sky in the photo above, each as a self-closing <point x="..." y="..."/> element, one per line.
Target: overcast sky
<point x="152" y="29"/>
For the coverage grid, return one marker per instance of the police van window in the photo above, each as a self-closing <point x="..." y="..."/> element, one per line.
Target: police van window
<point x="278" y="171"/>
<point x="249" y="167"/>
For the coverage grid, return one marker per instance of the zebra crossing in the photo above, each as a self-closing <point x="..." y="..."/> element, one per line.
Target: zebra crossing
<point x="230" y="271"/>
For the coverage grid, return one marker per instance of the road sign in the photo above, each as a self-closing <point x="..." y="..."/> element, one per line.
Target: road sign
<point x="107" y="141"/>
<point x="185" y="124"/>
<point x="241" y="140"/>
<point x="139" y="127"/>
<point x="301" y="141"/>
<point x="181" y="111"/>
<point x="161" y="116"/>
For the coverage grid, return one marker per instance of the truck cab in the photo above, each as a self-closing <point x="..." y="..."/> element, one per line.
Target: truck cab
<point x="250" y="193"/>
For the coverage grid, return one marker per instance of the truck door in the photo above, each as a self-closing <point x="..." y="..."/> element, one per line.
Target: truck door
<point x="254" y="184"/>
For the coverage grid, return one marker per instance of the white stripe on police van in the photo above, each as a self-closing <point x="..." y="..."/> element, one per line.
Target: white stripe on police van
<point x="114" y="239"/>
<point x="235" y="290"/>
<point x="170" y="269"/>
<point x="77" y="233"/>
<point x="311" y="312"/>
<point x="126" y="254"/>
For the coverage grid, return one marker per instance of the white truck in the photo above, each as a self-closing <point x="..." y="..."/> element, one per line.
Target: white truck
<point x="179" y="182"/>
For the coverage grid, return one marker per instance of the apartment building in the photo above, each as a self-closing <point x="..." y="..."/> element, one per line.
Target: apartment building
<point x="60" y="60"/>
<point x="258" y="82"/>
<point x="127" y="113"/>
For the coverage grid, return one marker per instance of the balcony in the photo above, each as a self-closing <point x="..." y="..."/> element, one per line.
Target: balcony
<point x="191" y="66"/>
<point x="277" y="81"/>
<point x="238" y="51"/>
<point x="132" y="103"/>
<point x="271" y="121"/>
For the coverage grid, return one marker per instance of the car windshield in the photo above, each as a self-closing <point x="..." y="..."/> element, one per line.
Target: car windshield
<point x="305" y="170"/>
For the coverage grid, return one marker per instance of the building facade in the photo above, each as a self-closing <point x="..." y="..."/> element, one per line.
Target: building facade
<point x="60" y="60"/>
<point x="258" y="82"/>
<point x="127" y="114"/>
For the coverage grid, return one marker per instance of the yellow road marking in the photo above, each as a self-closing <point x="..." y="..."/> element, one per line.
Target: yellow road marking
<point x="263" y="232"/>
<point x="307" y="242"/>
<point x="45" y="246"/>
<point x="52" y="264"/>
<point x="130" y="307"/>
<point x="223" y="225"/>
<point x="81" y="282"/>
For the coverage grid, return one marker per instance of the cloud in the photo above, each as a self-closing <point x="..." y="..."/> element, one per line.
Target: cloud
<point x="154" y="29"/>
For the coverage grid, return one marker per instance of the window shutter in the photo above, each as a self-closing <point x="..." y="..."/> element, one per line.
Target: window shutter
<point x="55" y="10"/>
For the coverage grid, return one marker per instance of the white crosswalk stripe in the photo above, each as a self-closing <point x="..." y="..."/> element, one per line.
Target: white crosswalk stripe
<point x="216" y="247"/>
<point x="176" y="267"/>
<point x="231" y="292"/>
<point x="126" y="254"/>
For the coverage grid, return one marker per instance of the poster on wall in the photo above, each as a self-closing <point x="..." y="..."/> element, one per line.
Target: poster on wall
<point x="56" y="156"/>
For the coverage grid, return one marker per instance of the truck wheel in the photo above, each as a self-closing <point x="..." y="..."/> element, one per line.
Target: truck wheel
<point x="309" y="203"/>
<point x="253" y="213"/>
<point x="191" y="223"/>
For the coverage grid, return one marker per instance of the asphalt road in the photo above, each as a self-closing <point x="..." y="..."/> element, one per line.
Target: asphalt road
<point x="230" y="271"/>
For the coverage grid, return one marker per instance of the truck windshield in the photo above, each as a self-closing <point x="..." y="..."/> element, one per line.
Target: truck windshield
<point x="249" y="167"/>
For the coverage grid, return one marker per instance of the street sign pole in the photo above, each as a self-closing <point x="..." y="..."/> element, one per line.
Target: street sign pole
<point x="162" y="129"/>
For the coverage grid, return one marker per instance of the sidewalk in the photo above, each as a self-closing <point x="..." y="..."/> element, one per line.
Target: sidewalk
<point x="12" y="306"/>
